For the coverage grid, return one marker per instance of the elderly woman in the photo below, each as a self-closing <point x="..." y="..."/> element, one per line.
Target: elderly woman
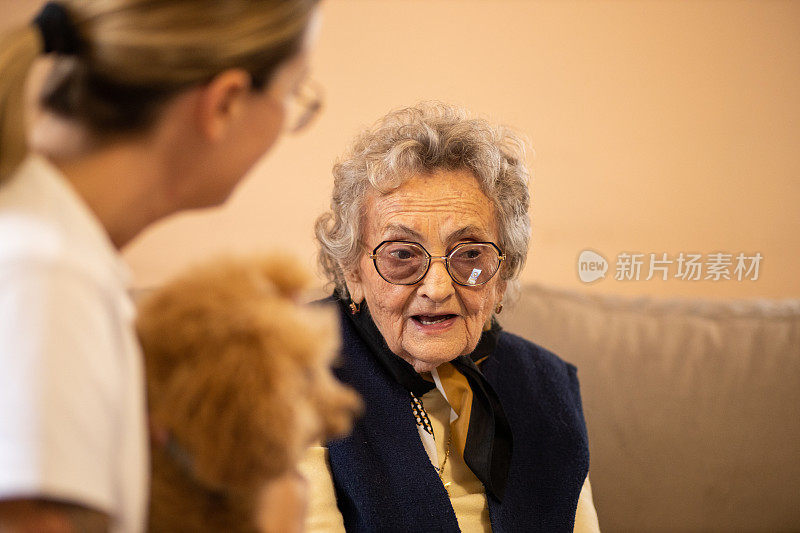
<point x="466" y="427"/>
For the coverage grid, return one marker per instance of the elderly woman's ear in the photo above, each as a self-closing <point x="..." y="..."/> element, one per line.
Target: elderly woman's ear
<point x="501" y="292"/>
<point x="352" y="278"/>
<point x="498" y="302"/>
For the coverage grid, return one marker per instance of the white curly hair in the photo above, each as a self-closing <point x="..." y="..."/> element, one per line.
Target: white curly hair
<point x="424" y="139"/>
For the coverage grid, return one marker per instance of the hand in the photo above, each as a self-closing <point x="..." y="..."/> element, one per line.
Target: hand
<point x="44" y="516"/>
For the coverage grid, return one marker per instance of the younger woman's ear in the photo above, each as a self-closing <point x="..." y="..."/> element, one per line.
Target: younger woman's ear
<point x="221" y="103"/>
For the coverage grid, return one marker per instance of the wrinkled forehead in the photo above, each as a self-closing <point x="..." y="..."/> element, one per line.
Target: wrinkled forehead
<point x="443" y="205"/>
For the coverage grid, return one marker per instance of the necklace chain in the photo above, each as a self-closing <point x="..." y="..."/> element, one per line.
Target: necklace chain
<point x="423" y="422"/>
<point x="446" y="455"/>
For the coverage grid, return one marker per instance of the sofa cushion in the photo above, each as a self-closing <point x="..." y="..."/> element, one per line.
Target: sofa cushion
<point x="693" y="407"/>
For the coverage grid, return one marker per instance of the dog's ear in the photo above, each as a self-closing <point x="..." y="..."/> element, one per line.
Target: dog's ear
<point x="333" y="403"/>
<point x="240" y="422"/>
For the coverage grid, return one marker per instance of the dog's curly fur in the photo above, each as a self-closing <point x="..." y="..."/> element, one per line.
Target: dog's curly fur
<point x="239" y="384"/>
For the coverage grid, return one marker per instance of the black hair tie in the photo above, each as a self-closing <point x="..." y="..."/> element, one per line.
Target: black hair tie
<point x="59" y="34"/>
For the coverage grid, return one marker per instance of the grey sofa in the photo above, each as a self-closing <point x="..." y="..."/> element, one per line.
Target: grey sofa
<point x="693" y="407"/>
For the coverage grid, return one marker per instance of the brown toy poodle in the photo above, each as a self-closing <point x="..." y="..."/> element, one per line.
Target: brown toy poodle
<point x="239" y="384"/>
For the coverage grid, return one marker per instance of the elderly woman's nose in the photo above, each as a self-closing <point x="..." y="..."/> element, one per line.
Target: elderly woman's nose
<point x="437" y="283"/>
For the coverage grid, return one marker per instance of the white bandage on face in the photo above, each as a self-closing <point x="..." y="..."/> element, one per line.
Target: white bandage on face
<point x="474" y="276"/>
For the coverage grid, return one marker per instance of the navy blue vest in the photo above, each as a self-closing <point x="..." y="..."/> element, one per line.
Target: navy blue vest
<point x="385" y="482"/>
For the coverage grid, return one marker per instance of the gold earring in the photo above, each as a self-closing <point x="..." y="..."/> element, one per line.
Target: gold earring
<point x="354" y="308"/>
<point x="498" y="309"/>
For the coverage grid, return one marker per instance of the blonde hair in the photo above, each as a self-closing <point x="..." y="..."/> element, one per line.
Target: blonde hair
<point x="423" y="139"/>
<point x="135" y="54"/>
<point x="17" y="52"/>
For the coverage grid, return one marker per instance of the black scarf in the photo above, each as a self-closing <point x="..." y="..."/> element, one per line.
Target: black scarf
<point x="489" y="442"/>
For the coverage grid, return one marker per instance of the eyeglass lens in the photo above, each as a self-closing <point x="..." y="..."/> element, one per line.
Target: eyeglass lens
<point x="304" y="106"/>
<point x="406" y="263"/>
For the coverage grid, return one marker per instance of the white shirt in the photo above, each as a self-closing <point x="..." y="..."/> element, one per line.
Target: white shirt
<point x="72" y="411"/>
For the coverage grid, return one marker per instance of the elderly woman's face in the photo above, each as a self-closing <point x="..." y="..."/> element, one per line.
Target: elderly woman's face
<point x="435" y="320"/>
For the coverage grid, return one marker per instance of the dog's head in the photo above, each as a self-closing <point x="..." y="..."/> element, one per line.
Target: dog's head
<point x="239" y="373"/>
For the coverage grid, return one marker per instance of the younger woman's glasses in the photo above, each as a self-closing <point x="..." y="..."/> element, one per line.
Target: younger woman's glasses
<point x="304" y="105"/>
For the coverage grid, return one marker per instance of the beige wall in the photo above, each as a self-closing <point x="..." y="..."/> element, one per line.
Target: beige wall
<point x="658" y="126"/>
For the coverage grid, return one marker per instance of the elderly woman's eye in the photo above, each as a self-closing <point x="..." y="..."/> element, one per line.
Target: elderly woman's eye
<point x="401" y="254"/>
<point x="468" y="254"/>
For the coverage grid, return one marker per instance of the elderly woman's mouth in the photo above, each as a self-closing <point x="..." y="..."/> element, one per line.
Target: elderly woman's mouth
<point x="434" y="320"/>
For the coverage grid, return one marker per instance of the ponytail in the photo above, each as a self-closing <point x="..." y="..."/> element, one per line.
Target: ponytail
<point x="18" y="50"/>
<point x="51" y="31"/>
